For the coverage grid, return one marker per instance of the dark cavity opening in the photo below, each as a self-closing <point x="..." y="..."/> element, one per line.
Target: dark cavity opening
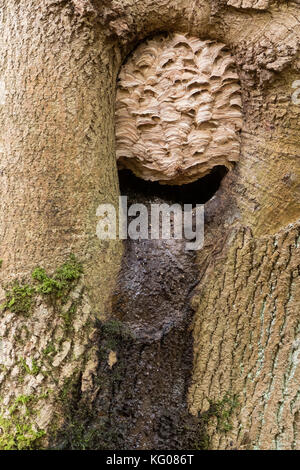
<point x="199" y="192"/>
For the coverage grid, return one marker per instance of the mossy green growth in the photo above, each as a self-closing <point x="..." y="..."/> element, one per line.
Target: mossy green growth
<point x="113" y="328"/>
<point x="35" y="369"/>
<point x="49" y="349"/>
<point x="19" y="298"/>
<point x="68" y="316"/>
<point x="62" y="280"/>
<point x="114" y="331"/>
<point x="203" y="442"/>
<point x="223" y="411"/>
<point x="47" y="285"/>
<point x="17" y="432"/>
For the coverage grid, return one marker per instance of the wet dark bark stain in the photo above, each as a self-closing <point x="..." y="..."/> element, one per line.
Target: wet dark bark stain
<point x="151" y="333"/>
<point x="153" y="303"/>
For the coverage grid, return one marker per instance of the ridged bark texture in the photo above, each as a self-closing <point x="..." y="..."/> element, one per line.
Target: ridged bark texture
<point x="59" y="64"/>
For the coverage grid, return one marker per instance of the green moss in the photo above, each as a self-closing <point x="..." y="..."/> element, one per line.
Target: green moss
<point x="69" y="315"/>
<point x="69" y="389"/>
<point x="17" y="432"/>
<point x="61" y="282"/>
<point x="47" y="285"/>
<point x="35" y="369"/>
<point x="23" y="399"/>
<point x="78" y="435"/>
<point x="24" y="365"/>
<point x="223" y="411"/>
<point x="1" y="262"/>
<point x="69" y="271"/>
<point x="203" y="443"/>
<point x="114" y="332"/>
<point x="49" y="349"/>
<point x="17" y="424"/>
<point x="112" y="328"/>
<point x="19" y="298"/>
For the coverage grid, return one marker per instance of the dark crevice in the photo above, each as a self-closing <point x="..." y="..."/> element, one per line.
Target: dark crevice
<point x="198" y="192"/>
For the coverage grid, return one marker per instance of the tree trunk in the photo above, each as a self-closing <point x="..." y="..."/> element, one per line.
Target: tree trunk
<point x="60" y="329"/>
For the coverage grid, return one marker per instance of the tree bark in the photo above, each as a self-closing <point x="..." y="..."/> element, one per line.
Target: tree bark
<point x="59" y="65"/>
